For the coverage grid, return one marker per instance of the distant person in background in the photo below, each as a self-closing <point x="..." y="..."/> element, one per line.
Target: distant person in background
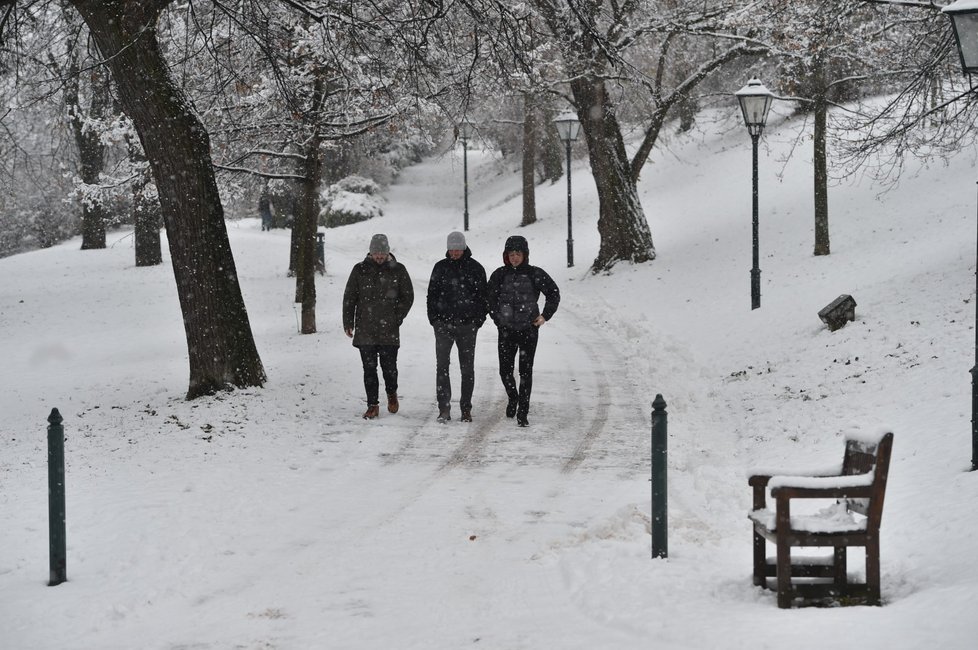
<point x="456" y="311"/>
<point x="377" y="298"/>
<point x="265" y="210"/>
<point x="514" y="291"/>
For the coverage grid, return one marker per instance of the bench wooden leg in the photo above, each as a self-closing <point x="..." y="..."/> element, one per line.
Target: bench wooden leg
<point x="760" y="560"/>
<point x="873" y="596"/>
<point x="784" y="574"/>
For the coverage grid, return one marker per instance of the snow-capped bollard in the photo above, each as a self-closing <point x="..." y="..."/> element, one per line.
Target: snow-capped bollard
<point x="57" y="544"/>
<point x="660" y="543"/>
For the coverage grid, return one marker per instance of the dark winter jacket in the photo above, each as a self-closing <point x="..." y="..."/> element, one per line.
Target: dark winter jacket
<point x="376" y="301"/>
<point x="514" y="292"/>
<point x="457" y="292"/>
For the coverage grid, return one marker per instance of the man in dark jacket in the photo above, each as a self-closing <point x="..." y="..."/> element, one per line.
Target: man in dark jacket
<point x="514" y="290"/>
<point x="456" y="310"/>
<point x="377" y="298"/>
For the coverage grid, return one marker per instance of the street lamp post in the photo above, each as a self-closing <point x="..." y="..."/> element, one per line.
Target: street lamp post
<point x="568" y="126"/>
<point x="755" y="102"/>
<point x="465" y="131"/>
<point x="964" y="21"/>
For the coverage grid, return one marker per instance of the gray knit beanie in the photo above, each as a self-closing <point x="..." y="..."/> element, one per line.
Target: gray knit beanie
<point x="378" y="244"/>
<point x="456" y="241"/>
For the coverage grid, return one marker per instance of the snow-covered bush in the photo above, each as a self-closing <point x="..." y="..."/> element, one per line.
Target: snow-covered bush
<point x="351" y="200"/>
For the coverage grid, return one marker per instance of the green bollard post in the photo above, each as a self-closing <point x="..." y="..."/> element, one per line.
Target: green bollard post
<point x="660" y="542"/>
<point x="56" y="499"/>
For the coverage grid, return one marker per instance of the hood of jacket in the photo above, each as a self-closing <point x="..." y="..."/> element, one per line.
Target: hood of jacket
<point x="516" y="243"/>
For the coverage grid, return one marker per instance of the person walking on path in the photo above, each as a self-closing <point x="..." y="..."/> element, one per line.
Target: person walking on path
<point x="513" y="292"/>
<point x="377" y="298"/>
<point x="456" y="310"/>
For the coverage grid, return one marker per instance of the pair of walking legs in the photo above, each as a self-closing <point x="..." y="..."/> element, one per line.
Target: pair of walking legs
<point x="387" y="356"/>
<point x="463" y="337"/>
<point x="511" y="344"/>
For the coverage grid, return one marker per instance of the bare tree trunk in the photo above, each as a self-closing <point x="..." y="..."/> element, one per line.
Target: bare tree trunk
<point x="304" y="230"/>
<point x="146" y="212"/>
<point x="91" y="151"/>
<point x="220" y="344"/>
<point x="550" y="149"/>
<point x="624" y="230"/>
<point x="529" y="160"/>
<point x="149" y="251"/>
<point x="821" y="176"/>
<point x="304" y="227"/>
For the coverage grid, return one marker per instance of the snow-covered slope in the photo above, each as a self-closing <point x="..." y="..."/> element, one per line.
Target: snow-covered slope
<point x="277" y="518"/>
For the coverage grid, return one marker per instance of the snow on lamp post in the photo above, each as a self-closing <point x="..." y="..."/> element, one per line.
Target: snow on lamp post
<point x="964" y="22"/>
<point x="755" y="102"/>
<point x="465" y="131"/>
<point x="568" y="126"/>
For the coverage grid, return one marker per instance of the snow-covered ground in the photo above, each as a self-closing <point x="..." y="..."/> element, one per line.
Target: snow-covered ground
<point x="276" y="518"/>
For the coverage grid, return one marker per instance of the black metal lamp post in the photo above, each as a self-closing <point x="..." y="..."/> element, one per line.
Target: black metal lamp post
<point x="964" y="20"/>
<point x="465" y="131"/>
<point x="755" y="102"/>
<point x="568" y="127"/>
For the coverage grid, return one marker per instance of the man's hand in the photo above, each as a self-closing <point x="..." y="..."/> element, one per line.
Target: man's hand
<point x="349" y="332"/>
<point x="539" y="320"/>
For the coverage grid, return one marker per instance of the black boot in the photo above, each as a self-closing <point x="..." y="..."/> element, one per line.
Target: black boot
<point x="511" y="406"/>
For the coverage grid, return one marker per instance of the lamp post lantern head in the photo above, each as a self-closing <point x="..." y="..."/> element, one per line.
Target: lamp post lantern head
<point x="964" y="21"/>
<point x="568" y="126"/>
<point x="755" y="102"/>
<point x="466" y="130"/>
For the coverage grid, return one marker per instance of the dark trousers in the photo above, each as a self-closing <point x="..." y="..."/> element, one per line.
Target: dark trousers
<point x="464" y="337"/>
<point x="387" y="354"/>
<point x="523" y="342"/>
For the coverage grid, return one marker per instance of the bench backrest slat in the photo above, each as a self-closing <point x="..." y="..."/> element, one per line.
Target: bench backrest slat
<point x="863" y="457"/>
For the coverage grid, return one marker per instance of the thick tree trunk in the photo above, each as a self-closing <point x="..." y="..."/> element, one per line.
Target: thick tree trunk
<point x="146" y="212"/>
<point x="821" y="178"/>
<point x="624" y="230"/>
<point x="304" y="234"/>
<point x="91" y="151"/>
<point x="149" y="251"/>
<point x="550" y="149"/>
<point x="220" y="344"/>
<point x="529" y="160"/>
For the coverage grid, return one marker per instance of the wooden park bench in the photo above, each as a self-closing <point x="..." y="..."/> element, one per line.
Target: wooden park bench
<point x="857" y="488"/>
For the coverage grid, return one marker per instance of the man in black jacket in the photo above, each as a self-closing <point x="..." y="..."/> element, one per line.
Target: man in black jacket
<point x="376" y="300"/>
<point x="514" y="290"/>
<point x="456" y="311"/>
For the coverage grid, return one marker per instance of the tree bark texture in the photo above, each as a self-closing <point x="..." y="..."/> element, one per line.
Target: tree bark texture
<point x="146" y="212"/>
<point x="624" y="230"/>
<point x="304" y="234"/>
<point x="821" y="177"/>
<point x="149" y="251"/>
<point x="91" y="151"/>
<point x="221" y="347"/>
<point x="529" y="160"/>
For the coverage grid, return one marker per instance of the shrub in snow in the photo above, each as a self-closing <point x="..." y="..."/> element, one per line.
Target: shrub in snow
<point x="352" y="200"/>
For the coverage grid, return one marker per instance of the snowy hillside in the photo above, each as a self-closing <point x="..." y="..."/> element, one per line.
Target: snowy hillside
<point x="277" y="518"/>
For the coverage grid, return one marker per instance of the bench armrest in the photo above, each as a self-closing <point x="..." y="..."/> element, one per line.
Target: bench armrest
<point x="757" y="475"/>
<point x="857" y="485"/>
